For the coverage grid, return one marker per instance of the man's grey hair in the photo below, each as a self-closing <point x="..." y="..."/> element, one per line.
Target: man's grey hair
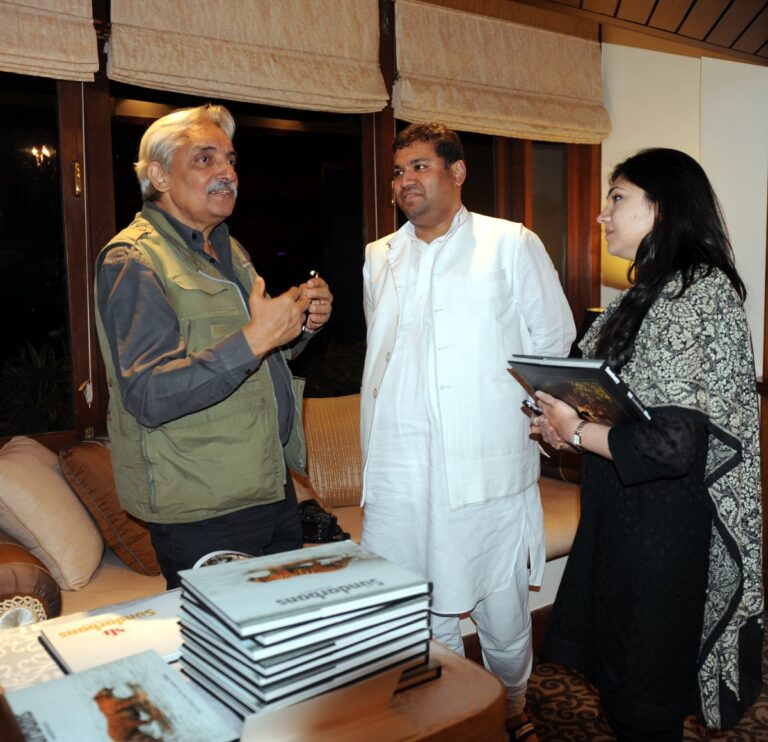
<point x="163" y="137"/>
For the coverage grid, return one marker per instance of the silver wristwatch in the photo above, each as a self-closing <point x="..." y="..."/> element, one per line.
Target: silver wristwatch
<point x="576" y="439"/>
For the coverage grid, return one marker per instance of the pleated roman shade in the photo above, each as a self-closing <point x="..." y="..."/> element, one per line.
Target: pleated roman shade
<point x="48" y="38"/>
<point x="320" y="55"/>
<point x="492" y="76"/>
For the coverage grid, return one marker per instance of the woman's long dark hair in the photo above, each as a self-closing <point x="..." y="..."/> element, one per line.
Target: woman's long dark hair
<point x="688" y="234"/>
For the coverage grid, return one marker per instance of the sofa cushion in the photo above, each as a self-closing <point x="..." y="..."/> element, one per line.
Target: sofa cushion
<point x="88" y="469"/>
<point x="332" y="429"/>
<point x="561" y="502"/>
<point x="28" y="592"/>
<point x="38" y="508"/>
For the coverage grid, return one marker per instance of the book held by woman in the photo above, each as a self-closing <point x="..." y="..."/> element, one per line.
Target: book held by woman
<point x="586" y="384"/>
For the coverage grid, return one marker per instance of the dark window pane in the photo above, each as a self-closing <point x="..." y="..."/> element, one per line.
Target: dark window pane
<point x="549" y="201"/>
<point x="479" y="191"/>
<point x="35" y="359"/>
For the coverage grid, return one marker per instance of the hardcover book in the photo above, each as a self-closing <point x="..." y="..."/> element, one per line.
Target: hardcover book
<point x="239" y="696"/>
<point x="209" y="627"/>
<point x="150" y="623"/>
<point x="138" y="697"/>
<point x="590" y="386"/>
<point x="212" y="688"/>
<point x="412" y="644"/>
<point x="389" y="626"/>
<point x="430" y="670"/>
<point x="191" y="605"/>
<point x="304" y="664"/>
<point x="257" y="595"/>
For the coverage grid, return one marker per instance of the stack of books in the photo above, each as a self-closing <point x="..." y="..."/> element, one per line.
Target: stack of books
<point x="271" y="631"/>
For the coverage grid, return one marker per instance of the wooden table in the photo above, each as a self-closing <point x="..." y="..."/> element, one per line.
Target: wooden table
<point x="465" y="704"/>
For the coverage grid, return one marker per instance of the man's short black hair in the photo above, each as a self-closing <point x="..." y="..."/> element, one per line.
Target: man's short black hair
<point x="447" y="143"/>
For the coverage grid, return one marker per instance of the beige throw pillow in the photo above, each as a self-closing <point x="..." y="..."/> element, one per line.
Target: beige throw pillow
<point x="38" y="508"/>
<point x="87" y="467"/>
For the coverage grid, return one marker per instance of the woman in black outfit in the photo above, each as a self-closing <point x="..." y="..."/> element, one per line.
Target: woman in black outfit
<point x="661" y="602"/>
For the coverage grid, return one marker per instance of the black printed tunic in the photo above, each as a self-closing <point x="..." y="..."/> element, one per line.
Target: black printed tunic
<point x="629" y="611"/>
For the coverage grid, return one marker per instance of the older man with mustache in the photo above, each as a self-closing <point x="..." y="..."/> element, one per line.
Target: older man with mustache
<point x="204" y="415"/>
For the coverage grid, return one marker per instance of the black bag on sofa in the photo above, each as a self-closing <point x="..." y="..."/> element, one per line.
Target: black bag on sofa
<point x="318" y="526"/>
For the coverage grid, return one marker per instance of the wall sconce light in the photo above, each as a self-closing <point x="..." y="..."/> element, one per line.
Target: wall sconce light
<point x="41" y="154"/>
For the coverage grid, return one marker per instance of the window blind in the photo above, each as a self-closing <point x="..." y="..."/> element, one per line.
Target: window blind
<point x="308" y="54"/>
<point x="48" y="38"/>
<point x="492" y="76"/>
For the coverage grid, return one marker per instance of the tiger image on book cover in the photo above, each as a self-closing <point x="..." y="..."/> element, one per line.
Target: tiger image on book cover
<point x="302" y="567"/>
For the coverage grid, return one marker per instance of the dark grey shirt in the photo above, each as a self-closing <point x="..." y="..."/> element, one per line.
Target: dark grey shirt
<point x="159" y="379"/>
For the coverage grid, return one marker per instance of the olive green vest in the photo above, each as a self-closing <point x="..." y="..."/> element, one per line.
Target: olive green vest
<point x="220" y="459"/>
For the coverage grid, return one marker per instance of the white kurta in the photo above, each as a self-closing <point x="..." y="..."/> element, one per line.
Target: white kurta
<point x="467" y="553"/>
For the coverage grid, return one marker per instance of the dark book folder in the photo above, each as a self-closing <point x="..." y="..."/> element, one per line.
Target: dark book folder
<point x="590" y="386"/>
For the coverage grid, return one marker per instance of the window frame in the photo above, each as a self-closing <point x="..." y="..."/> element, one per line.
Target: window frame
<point x="87" y="224"/>
<point x="69" y="106"/>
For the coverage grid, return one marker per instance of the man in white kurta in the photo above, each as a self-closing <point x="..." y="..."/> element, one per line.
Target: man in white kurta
<point x="449" y="470"/>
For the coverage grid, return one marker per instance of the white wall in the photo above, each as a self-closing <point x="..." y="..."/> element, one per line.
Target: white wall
<point x="653" y="101"/>
<point x="716" y="111"/>
<point x="734" y="152"/>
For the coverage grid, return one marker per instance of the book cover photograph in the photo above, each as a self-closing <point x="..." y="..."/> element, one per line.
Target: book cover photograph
<point x="588" y="385"/>
<point x="265" y="593"/>
<point x="149" y="623"/>
<point x="138" y="698"/>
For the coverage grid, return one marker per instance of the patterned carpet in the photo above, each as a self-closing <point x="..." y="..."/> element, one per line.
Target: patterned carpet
<point x="565" y="708"/>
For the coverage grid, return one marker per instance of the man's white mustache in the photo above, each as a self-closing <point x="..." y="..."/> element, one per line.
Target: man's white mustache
<point x="223" y="186"/>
